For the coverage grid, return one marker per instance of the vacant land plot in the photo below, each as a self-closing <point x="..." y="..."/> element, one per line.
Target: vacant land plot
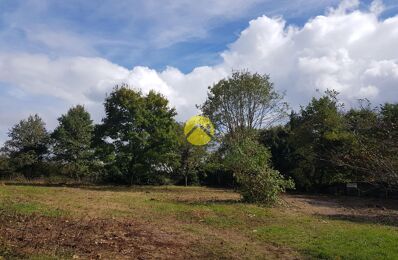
<point x="179" y="223"/>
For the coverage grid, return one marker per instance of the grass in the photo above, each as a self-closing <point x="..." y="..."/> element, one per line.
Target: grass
<point x="29" y="208"/>
<point x="333" y="239"/>
<point x="222" y="226"/>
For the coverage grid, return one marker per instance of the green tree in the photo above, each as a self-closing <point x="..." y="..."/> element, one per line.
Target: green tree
<point x="27" y="146"/>
<point x="242" y="103"/>
<point x="277" y="140"/>
<point x="238" y="106"/>
<point x="72" y="142"/>
<point x="138" y="137"/>
<point x="373" y="157"/>
<point x="192" y="160"/>
<point x="318" y="133"/>
<point x="5" y="168"/>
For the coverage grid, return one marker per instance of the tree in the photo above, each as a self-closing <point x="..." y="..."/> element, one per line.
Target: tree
<point x="318" y="133"/>
<point x="238" y="107"/>
<point x="138" y="138"/>
<point x="72" y="142"/>
<point x="28" y="145"/>
<point x="242" y="103"/>
<point x="257" y="181"/>
<point x="191" y="159"/>
<point x="277" y="140"/>
<point x="5" y="168"/>
<point x="373" y="156"/>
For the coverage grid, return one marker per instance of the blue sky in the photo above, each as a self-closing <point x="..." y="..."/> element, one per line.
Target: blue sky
<point x="54" y="54"/>
<point x="132" y="33"/>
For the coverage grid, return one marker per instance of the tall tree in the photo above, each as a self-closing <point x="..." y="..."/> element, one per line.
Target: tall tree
<point x="138" y="137"/>
<point x="373" y="156"/>
<point x="72" y="141"/>
<point x="318" y="132"/>
<point x="28" y="145"/>
<point x="244" y="102"/>
<point x="238" y="106"/>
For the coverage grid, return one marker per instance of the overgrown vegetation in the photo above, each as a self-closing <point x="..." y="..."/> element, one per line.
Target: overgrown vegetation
<point x="257" y="181"/>
<point x="258" y="148"/>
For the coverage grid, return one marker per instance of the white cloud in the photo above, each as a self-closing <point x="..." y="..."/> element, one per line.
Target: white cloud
<point x="71" y="79"/>
<point x="176" y="20"/>
<point x="346" y="49"/>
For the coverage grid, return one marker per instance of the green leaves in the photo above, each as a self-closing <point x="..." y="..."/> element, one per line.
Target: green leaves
<point x="258" y="182"/>
<point x="242" y="103"/>
<point x="28" y="144"/>
<point x="318" y="133"/>
<point x="138" y="136"/>
<point x="72" y="142"/>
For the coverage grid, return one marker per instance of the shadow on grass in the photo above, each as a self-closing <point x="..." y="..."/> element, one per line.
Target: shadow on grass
<point x="338" y="201"/>
<point x="35" y="184"/>
<point x="118" y="188"/>
<point x="210" y="202"/>
<point x="84" y="186"/>
<point x="387" y="220"/>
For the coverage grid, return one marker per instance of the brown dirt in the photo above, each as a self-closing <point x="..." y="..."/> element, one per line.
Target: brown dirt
<point x="89" y="239"/>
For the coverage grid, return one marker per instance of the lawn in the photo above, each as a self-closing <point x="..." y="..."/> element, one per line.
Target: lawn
<point x="193" y="222"/>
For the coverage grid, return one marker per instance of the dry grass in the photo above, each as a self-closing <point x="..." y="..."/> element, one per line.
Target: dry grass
<point x="192" y="222"/>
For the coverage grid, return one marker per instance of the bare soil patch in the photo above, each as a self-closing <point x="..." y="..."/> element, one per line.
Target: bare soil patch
<point x="89" y="238"/>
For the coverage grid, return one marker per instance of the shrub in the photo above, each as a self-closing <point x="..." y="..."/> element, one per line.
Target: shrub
<point x="258" y="182"/>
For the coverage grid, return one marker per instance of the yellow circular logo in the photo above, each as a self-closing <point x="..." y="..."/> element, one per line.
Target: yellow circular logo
<point x="199" y="130"/>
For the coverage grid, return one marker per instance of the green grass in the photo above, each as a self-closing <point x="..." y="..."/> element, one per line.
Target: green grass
<point x="213" y="217"/>
<point x="29" y="208"/>
<point x="325" y="239"/>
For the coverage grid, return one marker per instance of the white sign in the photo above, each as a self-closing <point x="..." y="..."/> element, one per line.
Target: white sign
<point x="352" y="185"/>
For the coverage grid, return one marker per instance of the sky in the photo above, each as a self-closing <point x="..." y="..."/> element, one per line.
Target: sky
<point x="55" y="54"/>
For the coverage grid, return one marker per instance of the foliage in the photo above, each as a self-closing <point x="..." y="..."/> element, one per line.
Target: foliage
<point x="137" y="139"/>
<point x="242" y="103"/>
<point x="214" y="173"/>
<point x="239" y="106"/>
<point x="5" y="168"/>
<point x="191" y="161"/>
<point x="139" y="142"/>
<point x="28" y="146"/>
<point x="317" y="133"/>
<point x="323" y="145"/>
<point x="373" y="156"/>
<point x="72" y="142"/>
<point x="277" y="140"/>
<point x="258" y="182"/>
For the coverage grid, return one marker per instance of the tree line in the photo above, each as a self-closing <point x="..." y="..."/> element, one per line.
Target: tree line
<point x="260" y="147"/>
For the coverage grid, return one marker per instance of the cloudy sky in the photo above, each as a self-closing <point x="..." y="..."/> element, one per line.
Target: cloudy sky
<point x="55" y="54"/>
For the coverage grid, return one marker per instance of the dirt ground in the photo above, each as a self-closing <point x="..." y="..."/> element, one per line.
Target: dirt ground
<point x="99" y="238"/>
<point x="93" y="239"/>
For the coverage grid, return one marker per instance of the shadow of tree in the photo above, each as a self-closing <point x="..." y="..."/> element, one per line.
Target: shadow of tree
<point x="210" y="202"/>
<point x="387" y="219"/>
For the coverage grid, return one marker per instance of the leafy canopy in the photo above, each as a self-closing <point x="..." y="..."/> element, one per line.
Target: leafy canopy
<point x="138" y="136"/>
<point x="28" y="144"/>
<point x="72" y="141"/>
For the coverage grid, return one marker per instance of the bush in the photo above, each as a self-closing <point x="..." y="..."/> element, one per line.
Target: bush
<point x="258" y="182"/>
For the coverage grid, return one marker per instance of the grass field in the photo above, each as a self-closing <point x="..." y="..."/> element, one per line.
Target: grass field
<point x="194" y="222"/>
